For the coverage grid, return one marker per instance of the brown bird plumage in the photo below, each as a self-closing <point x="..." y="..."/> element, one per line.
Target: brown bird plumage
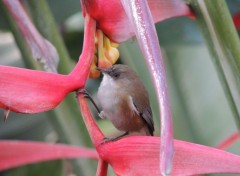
<point x="125" y="101"/>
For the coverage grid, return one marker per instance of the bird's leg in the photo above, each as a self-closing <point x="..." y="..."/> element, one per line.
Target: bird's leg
<point x="114" y="138"/>
<point x="88" y="96"/>
<point x="101" y="115"/>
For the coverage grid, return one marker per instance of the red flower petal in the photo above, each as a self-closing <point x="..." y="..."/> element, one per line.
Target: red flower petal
<point x="140" y="156"/>
<point x="17" y="153"/>
<point x="31" y="91"/>
<point x="113" y="21"/>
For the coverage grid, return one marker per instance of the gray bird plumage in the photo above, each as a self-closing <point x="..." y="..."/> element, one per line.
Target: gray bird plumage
<point x="125" y="100"/>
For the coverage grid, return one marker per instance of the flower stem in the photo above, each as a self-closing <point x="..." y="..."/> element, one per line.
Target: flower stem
<point x="94" y="131"/>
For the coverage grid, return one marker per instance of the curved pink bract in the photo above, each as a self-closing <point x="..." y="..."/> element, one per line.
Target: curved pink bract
<point x="32" y="91"/>
<point x="112" y="19"/>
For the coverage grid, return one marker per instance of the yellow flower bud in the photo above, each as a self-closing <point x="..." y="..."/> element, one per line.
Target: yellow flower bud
<point x="112" y="55"/>
<point x="94" y="73"/>
<point x="104" y="63"/>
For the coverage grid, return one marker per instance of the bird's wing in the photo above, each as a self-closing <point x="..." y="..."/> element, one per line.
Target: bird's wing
<point x="145" y="112"/>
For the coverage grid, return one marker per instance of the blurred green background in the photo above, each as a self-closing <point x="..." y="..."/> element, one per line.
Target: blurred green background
<point x="201" y="113"/>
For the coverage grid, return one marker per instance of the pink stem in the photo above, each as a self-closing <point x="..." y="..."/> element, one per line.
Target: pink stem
<point x="102" y="168"/>
<point x="94" y="131"/>
<point x="141" y="18"/>
<point x="230" y="140"/>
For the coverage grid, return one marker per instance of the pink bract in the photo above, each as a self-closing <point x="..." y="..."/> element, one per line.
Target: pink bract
<point x="112" y="19"/>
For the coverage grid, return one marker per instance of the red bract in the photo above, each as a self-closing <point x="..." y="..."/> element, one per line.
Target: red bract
<point x="136" y="155"/>
<point x="129" y="156"/>
<point x="130" y="18"/>
<point x="112" y="19"/>
<point x="140" y="156"/>
<point x="31" y="91"/>
<point x="17" y="153"/>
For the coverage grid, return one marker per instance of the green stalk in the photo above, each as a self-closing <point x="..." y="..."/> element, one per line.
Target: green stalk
<point x="22" y="44"/>
<point x="217" y="27"/>
<point x="66" y="118"/>
<point x="46" y="25"/>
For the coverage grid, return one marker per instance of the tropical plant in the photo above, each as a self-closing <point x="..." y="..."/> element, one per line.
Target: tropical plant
<point x="108" y="24"/>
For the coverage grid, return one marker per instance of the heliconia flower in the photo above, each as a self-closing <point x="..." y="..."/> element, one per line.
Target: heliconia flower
<point x="42" y="50"/>
<point x="18" y="94"/>
<point x="129" y="18"/>
<point x="106" y="54"/>
<point x="29" y="91"/>
<point x="128" y="156"/>
<point x="32" y="91"/>
<point x="116" y="27"/>
<point x="112" y="19"/>
<point x="140" y="155"/>
<point x="135" y="155"/>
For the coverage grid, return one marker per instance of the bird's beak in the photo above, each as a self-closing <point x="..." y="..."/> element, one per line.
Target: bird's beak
<point x="103" y="70"/>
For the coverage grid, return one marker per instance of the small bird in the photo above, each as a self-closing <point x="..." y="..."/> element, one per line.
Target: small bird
<point x="124" y="101"/>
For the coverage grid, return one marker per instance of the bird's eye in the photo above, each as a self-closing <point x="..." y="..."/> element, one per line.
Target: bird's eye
<point x="114" y="74"/>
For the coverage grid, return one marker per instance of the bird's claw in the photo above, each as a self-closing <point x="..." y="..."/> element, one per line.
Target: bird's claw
<point x="112" y="139"/>
<point x="88" y="96"/>
<point x="84" y="92"/>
